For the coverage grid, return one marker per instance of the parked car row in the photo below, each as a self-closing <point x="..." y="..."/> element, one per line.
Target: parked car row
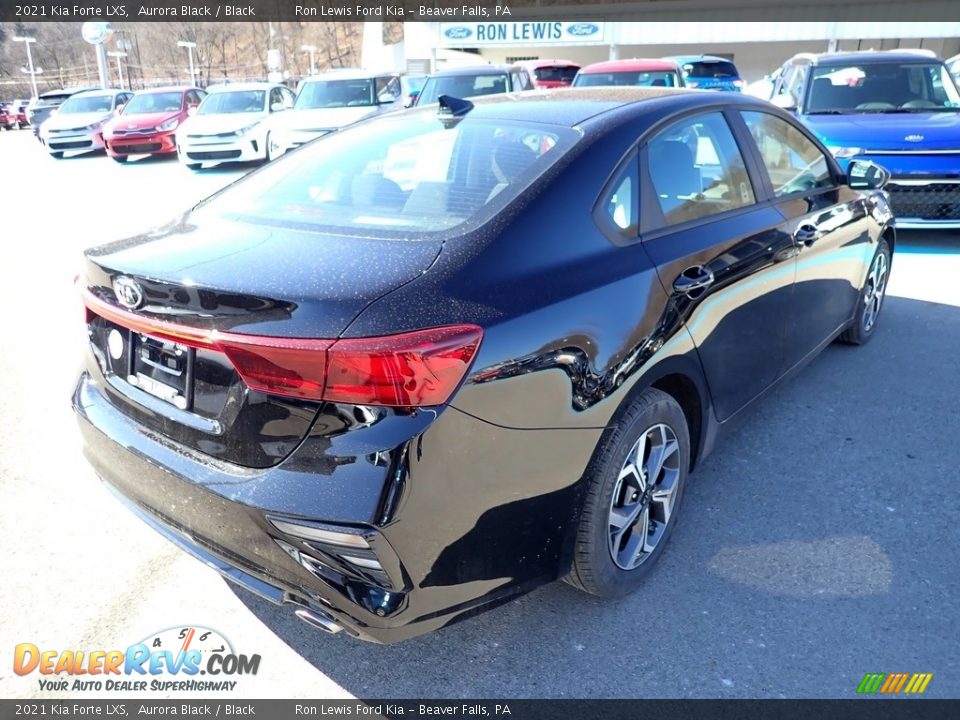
<point x="705" y="72"/>
<point x="13" y="115"/>
<point x="897" y="108"/>
<point x="232" y="122"/>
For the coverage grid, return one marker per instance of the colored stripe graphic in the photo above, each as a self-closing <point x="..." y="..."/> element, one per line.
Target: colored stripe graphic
<point x="893" y="683"/>
<point x="871" y="682"/>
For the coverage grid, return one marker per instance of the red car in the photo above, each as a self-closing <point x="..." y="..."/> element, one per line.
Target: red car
<point x="642" y="73"/>
<point x="551" y="73"/>
<point x="8" y="119"/>
<point x="147" y="124"/>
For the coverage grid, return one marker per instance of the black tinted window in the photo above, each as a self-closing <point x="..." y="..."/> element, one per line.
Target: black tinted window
<point x="710" y="70"/>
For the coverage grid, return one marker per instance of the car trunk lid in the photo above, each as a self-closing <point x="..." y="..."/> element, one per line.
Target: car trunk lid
<point x="155" y="300"/>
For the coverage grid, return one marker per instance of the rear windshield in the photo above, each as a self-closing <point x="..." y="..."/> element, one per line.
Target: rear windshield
<point x="87" y="104"/>
<point x="462" y="86"/>
<point x="556" y="73"/>
<point x="658" y="78"/>
<point x="238" y="101"/>
<point x="50" y="100"/>
<point x="154" y="103"/>
<point x="912" y="87"/>
<point x="707" y="69"/>
<point x="399" y="176"/>
<point x="336" y="93"/>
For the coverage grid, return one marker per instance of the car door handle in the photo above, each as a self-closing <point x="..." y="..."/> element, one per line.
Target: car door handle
<point x="807" y="234"/>
<point x="693" y="279"/>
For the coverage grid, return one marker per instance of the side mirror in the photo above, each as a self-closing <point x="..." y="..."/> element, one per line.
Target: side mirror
<point x="412" y="98"/>
<point x="784" y="102"/>
<point x="191" y="110"/>
<point x="277" y="107"/>
<point x="119" y="110"/>
<point x="386" y="98"/>
<point x="866" y="175"/>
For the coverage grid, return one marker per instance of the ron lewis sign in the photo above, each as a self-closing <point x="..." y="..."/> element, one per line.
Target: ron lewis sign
<point x="477" y="34"/>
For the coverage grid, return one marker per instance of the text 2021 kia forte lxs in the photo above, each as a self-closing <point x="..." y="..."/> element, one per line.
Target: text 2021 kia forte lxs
<point x="434" y="360"/>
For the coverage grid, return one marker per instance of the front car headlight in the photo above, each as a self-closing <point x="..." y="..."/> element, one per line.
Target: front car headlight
<point x="168" y="125"/>
<point x="248" y="128"/>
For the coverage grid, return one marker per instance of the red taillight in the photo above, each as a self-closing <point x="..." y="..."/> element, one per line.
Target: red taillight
<point x="407" y="370"/>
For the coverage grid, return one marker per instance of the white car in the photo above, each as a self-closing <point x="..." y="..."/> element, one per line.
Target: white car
<point x="77" y="125"/>
<point x="230" y="124"/>
<point x="332" y="100"/>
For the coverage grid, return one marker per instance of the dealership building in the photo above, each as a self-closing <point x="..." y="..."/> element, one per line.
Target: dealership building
<point x="756" y="46"/>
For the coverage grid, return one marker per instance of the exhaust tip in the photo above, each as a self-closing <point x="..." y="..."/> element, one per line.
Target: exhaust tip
<point x="318" y="620"/>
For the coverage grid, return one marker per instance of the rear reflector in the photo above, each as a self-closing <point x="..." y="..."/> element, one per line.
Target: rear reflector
<point x="411" y="369"/>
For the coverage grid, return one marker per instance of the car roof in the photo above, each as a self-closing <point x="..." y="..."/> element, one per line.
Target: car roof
<point x="97" y="91"/>
<point x="686" y="59"/>
<point x="632" y="65"/>
<point x="473" y="70"/>
<point x="536" y="64"/>
<point x="872" y="56"/>
<point x="572" y="106"/>
<point x="241" y="86"/>
<point x="346" y="74"/>
<point x="167" y="89"/>
<point x="64" y="92"/>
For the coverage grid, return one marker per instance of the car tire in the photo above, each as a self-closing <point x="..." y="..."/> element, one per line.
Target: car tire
<point x="122" y="159"/>
<point x="870" y="300"/>
<point x="57" y="155"/>
<point x="194" y="166"/>
<point x="653" y="427"/>
<point x="268" y="153"/>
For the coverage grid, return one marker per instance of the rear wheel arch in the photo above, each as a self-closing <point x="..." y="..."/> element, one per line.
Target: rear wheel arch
<point x="681" y="378"/>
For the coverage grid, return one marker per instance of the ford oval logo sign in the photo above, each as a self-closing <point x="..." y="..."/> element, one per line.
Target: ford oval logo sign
<point x="913" y="138"/>
<point x="128" y="292"/>
<point x="582" y="29"/>
<point x="458" y="33"/>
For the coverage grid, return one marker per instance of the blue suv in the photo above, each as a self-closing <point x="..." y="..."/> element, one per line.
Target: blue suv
<point x="899" y="109"/>
<point x="708" y="72"/>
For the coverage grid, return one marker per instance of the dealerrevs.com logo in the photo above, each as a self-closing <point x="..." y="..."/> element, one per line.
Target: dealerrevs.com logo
<point x="169" y="660"/>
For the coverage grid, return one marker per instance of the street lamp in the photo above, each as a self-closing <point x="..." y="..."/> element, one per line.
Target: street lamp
<point x="33" y="75"/>
<point x="189" y="46"/>
<point x="117" y="54"/>
<point x="312" y="49"/>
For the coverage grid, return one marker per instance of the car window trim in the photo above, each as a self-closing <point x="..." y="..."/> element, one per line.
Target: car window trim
<point x="652" y="221"/>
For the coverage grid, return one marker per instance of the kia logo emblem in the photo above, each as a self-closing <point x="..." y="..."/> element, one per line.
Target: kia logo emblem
<point x="458" y="33"/>
<point x="582" y="29"/>
<point x="128" y="292"/>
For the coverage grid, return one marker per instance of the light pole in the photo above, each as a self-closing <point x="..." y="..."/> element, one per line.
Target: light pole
<point x="189" y="46"/>
<point x="33" y="76"/>
<point x="312" y="49"/>
<point x="117" y="54"/>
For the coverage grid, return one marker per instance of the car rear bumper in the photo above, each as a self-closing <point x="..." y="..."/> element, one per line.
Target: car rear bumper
<point x="454" y="544"/>
<point x="146" y="144"/>
<point x="246" y="148"/>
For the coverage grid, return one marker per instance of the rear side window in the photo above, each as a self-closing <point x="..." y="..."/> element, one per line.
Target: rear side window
<point x="407" y="174"/>
<point x="793" y="162"/>
<point x="696" y="170"/>
<point x="618" y="210"/>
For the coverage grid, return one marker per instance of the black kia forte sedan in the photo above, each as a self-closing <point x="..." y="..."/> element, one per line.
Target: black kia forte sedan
<point x="436" y="359"/>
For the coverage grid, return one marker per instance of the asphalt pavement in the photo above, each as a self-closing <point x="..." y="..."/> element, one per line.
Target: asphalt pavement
<point x="816" y="545"/>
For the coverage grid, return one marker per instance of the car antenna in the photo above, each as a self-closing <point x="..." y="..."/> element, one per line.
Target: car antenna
<point x="452" y="109"/>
